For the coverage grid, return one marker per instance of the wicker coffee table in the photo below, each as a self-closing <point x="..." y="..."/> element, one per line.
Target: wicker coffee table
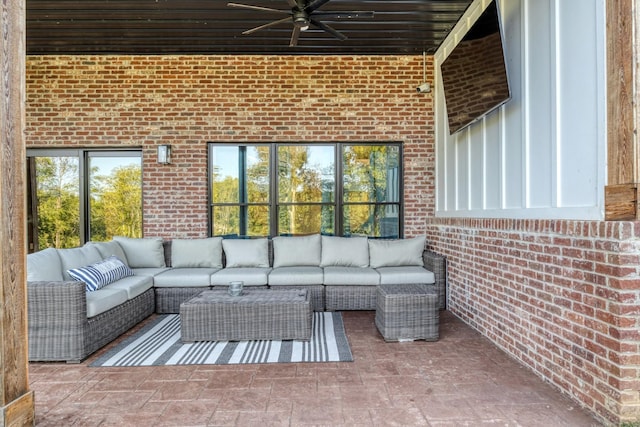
<point x="258" y="314"/>
<point x="407" y="312"/>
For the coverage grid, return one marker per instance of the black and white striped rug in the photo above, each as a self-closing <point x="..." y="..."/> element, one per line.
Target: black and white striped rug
<point x="158" y="343"/>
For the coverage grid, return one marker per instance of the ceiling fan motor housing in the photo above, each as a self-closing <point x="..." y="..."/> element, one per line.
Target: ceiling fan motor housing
<point x="301" y="19"/>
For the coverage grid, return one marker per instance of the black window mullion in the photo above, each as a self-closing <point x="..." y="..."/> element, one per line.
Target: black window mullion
<point x="83" y="170"/>
<point x="273" y="190"/>
<point x="242" y="189"/>
<point x="339" y="180"/>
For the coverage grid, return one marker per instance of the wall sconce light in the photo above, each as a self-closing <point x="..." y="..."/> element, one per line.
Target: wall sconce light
<point x="164" y="154"/>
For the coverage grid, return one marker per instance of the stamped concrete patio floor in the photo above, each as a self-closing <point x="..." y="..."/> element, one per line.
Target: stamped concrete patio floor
<point x="462" y="379"/>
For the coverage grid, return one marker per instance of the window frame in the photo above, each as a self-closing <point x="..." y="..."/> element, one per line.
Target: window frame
<point x="84" y="156"/>
<point x="338" y="202"/>
<point x="242" y="205"/>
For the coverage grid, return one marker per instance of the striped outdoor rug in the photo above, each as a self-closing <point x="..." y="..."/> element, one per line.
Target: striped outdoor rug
<point x="158" y="343"/>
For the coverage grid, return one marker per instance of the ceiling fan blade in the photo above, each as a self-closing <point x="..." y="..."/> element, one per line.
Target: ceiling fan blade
<point x="314" y="4"/>
<point x="270" y="24"/>
<point x="345" y="15"/>
<point x="294" y="36"/>
<point x="293" y="4"/>
<point x="328" y="29"/>
<point x="260" y="8"/>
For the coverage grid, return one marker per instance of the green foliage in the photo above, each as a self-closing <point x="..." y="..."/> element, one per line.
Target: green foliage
<point x="306" y="187"/>
<point x="58" y="202"/>
<point x="300" y="183"/>
<point x="116" y="204"/>
<point x="247" y="198"/>
<point x="367" y="178"/>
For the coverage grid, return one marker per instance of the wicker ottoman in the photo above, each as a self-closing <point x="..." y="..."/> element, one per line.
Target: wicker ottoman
<point x="407" y="312"/>
<point x="258" y="314"/>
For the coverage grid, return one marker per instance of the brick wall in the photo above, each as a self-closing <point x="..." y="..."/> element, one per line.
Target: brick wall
<point x="185" y="101"/>
<point x="560" y="296"/>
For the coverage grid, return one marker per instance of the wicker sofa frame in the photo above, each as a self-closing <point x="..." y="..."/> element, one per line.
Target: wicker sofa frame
<point x="324" y="298"/>
<point x="60" y="330"/>
<point x="350" y="297"/>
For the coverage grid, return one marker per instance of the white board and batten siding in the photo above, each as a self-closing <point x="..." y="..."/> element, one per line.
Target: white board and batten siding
<point x="543" y="153"/>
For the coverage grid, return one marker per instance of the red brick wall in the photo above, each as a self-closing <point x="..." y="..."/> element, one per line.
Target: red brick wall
<point x="112" y="101"/>
<point x="560" y="296"/>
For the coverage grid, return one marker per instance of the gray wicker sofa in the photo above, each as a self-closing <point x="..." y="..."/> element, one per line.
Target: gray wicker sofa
<point x="67" y="321"/>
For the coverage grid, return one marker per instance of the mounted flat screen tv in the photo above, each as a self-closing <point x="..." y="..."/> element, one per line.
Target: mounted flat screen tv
<point x="474" y="75"/>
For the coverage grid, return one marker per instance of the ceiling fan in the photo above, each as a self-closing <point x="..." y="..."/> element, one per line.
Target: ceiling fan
<point x="302" y="15"/>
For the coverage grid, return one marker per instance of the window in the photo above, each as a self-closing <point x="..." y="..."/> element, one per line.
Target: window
<point x="79" y="195"/>
<point x="306" y="189"/>
<point x="296" y="189"/>
<point x="371" y="190"/>
<point x="240" y="190"/>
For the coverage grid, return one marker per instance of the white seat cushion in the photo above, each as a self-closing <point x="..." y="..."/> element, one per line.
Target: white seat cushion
<point x="292" y="276"/>
<point x="251" y="276"/>
<point x="184" y="277"/>
<point x="351" y="276"/>
<point x="133" y="285"/>
<point x="408" y="274"/>
<point x="104" y="299"/>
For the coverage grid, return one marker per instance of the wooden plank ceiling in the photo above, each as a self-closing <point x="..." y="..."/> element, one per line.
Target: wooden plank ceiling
<point x="212" y="27"/>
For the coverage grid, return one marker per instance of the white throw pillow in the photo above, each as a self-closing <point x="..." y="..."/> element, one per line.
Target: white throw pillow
<point x="189" y="253"/>
<point x="344" y="251"/>
<point x="297" y="251"/>
<point x="395" y="253"/>
<point x="142" y="253"/>
<point x="100" y="274"/>
<point x="246" y="252"/>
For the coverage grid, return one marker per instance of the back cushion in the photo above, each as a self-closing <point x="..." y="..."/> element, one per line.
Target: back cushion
<point x="108" y="249"/>
<point x="44" y="265"/>
<point x="197" y="252"/>
<point x="344" y="251"/>
<point x="246" y="253"/>
<point x="142" y="253"/>
<point x="395" y="253"/>
<point x="297" y="251"/>
<point x="78" y="257"/>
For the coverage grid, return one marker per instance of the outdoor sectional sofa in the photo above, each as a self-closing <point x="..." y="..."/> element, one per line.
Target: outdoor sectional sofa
<point x="80" y="299"/>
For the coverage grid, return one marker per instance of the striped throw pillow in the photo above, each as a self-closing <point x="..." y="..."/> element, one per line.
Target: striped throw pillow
<point x="100" y="274"/>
